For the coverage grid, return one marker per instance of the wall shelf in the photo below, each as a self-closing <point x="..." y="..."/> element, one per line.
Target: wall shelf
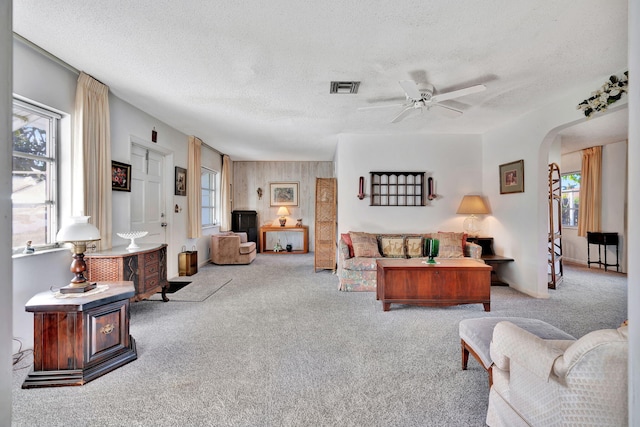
<point x="397" y="189"/>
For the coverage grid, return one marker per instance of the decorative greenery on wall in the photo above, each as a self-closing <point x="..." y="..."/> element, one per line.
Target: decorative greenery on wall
<point x="609" y="93"/>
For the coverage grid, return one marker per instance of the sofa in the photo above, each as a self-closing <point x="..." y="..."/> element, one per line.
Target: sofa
<point x="538" y="382"/>
<point x="359" y="251"/>
<point x="232" y="248"/>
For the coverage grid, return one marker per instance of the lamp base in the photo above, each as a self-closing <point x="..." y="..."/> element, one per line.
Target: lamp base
<point x="78" y="288"/>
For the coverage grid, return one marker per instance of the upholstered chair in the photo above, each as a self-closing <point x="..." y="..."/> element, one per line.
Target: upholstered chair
<point x="539" y="382"/>
<point x="232" y="248"/>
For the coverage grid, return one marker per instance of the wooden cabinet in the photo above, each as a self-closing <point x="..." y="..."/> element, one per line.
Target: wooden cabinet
<point x="79" y="338"/>
<point x="325" y="231"/>
<point x="247" y="221"/>
<point x="146" y="267"/>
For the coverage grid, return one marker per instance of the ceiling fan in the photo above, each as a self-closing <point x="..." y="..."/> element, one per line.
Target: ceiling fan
<point x="417" y="99"/>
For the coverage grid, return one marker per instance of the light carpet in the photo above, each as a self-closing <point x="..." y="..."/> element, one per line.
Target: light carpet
<point x="279" y="345"/>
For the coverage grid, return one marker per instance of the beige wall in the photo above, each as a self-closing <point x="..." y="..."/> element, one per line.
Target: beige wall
<point x="249" y="176"/>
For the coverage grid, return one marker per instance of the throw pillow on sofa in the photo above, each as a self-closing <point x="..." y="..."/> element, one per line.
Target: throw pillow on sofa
<point x="364" y="245"/>
<point x="451" y="244"/>
<point x="413" y="246"/>
<point x="392" y="246"/>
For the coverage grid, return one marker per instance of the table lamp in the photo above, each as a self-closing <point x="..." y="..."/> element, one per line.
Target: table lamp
<point x="283" y="212"/>
<point x="472" y="205"/>
<point x="78" y="232"/>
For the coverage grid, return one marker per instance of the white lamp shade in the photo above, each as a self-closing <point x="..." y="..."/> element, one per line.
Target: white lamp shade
<point x="78" y="229"/>
<point x="282" y="211"/>
<point x="472" y="205"/>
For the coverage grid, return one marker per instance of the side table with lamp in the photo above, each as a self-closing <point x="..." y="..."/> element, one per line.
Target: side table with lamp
<point x="81" y="332"/>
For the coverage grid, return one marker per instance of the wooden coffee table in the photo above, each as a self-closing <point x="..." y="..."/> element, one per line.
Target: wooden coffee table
<point x="449" y="282"/>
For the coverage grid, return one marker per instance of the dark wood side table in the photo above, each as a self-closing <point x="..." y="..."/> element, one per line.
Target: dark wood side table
<point x="602" y="239"/>
<point x="78" y="339"/>
<point x="489" y="256"/>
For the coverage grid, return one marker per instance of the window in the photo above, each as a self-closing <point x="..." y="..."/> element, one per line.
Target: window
<point x="570" y="198"/>
<point x="34" y="175"/>
<point x="208" y="184"/>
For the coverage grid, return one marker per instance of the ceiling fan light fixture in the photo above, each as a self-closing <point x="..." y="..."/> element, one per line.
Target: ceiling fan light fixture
<point x="344" y="87"/>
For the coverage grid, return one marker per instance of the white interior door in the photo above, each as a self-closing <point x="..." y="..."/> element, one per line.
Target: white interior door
<point x="147" y="193"/>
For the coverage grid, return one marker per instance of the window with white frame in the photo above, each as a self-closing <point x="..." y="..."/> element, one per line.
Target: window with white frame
<point x="34" y="178"/>
<point x="208" y="180"/>
<point x="570" y="183"/>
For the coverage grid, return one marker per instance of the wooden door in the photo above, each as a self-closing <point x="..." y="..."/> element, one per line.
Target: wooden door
<point x="147" y="193"/>
<point x="325" y="226"/>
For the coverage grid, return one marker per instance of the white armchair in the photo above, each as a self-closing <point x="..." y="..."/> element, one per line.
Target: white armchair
<point x="539" y="382"/>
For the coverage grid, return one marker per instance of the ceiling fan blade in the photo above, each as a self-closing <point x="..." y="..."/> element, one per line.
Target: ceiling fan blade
<point x="377" y="107"/>
<point x="411" y="89"/>
<point x="458" y="93"/>
<point x="447" y="111"/>
<point x="404" y="113"/>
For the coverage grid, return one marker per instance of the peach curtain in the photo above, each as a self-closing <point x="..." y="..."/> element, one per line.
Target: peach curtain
<point x="92" y="144"/>
<point x="225" y="193"/>
<point x="194" y="196"/>
<point x="590" y="211"/>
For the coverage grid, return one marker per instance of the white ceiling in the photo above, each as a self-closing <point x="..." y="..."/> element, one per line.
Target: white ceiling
<point x="251" y="77"/>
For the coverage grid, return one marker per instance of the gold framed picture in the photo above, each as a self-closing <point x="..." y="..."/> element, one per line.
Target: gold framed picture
<point x="512" y="177"/>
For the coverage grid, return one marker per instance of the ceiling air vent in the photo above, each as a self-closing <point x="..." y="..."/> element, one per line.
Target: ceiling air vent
<point x="344" y="87"/>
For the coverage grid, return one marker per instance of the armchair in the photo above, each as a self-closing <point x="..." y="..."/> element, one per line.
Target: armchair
<point x="232" y="248"/>
<point x="539" y="382"/>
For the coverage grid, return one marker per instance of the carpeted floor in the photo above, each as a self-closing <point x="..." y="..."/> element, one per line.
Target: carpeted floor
<point x="275" y="344"/>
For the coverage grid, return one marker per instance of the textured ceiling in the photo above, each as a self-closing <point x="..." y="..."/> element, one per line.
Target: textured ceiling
<point x="251" y="78"/>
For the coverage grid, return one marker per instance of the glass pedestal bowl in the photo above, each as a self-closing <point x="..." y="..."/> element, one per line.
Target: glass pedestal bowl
<point x="133" y="235"/>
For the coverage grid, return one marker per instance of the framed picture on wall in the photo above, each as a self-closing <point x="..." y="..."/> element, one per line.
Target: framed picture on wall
<point x="120" y="176"/>
<point x="283" y="193"/>
<point x="512" y="177"/>
<point x="181" y="181"/>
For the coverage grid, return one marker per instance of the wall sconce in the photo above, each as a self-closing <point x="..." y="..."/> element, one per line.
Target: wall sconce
<point x="472" y="205"/>
<point x="259" y="193"/>
<point x="154" y="135"/>
<point x="78" y="232"/>
<point x="361" y="188"/>
<point x="431" y="192"/>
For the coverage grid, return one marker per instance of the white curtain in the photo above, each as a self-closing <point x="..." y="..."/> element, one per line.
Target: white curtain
<point x="225" y="193"/>
<point x="194" y="197"/>
<point x="590" y="210"/>
<point x="92" y="156"/>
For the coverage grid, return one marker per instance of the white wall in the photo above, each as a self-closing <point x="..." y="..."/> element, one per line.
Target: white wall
<point x="41" y="80"/>
<point x="521" y="219"/>
<point x="454" y="162"/>
<point x="633" y="213"/>
<point x="6" y="287"/>
<point x="614" y="176"/>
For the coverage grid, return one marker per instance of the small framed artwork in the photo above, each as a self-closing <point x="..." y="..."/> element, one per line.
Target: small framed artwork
<point x="283" y="193"/>
<point x="181" y="181"/>
<point x="120" y="176"/>
<point x="512" y="177"/>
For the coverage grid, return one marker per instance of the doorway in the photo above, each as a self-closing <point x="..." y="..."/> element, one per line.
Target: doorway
<point x="148" y="207"/>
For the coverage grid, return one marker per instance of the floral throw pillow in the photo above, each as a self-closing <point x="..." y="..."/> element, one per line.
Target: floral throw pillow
<point x="364" y="245"/>
<point x="413" y="246"/>
<point x="392" y="246"/>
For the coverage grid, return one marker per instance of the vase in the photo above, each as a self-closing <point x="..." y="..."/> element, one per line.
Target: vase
<point x="289" y="247"/>
<point x="431" y="249"/>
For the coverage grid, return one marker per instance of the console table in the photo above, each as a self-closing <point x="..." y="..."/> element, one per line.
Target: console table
<point x="602" y="239"/>
<point x="489" y="257"/>
<point x="146" y="267"/>
<point x="271" y="229"/>
<point x="81" y="337"/>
